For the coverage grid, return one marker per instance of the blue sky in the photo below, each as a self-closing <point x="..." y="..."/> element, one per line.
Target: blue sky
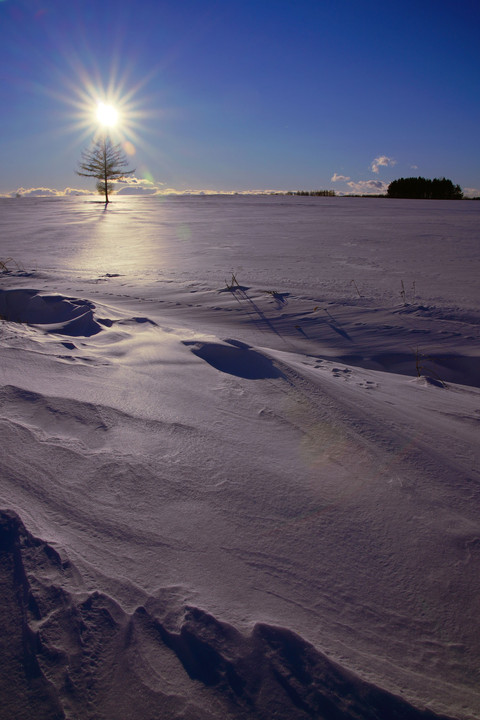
<point x="234" y="96"/>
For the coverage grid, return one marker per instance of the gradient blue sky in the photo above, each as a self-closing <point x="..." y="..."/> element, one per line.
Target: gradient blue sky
<point x="226" y="95"/>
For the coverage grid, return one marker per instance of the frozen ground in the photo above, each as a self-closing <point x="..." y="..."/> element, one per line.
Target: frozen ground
<point x="255" y="501"/>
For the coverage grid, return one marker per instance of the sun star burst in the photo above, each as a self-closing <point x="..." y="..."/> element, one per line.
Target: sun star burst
<point x="107" y="115"/>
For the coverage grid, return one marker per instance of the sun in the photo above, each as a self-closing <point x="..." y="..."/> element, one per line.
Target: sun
<point x="114" y="110"/>
<point x="107" y="115"/>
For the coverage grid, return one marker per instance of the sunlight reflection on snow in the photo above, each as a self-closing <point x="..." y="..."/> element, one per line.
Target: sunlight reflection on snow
<point x="122" y="240"/>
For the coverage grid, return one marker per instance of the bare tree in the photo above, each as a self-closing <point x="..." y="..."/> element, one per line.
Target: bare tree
<point x="104" y="162"/>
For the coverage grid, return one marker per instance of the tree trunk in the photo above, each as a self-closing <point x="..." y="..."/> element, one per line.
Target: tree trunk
<point x="105" y="168"/>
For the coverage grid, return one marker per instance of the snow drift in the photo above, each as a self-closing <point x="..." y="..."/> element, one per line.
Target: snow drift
<point x="55" y="313"/>
<point x="227" y="500"/>
<point x="112" y="664"/>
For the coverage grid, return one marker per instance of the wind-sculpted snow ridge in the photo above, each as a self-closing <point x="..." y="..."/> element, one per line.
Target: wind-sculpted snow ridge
<point x="80" y="655"/>
<point x="54" y="313"/>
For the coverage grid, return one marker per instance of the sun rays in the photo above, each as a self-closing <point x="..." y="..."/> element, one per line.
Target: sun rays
<point x="95" y="107"/>
<point x="95" y="97"/>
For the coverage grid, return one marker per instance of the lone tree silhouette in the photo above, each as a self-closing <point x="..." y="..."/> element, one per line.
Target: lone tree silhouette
<point x="104" y="162"/>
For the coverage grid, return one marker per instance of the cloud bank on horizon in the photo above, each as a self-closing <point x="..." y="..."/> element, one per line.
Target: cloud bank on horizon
<point x="141" y="187"/>
<point x="132" y="185"/>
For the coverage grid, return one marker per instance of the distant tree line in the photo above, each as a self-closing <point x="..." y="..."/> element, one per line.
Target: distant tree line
<point x="423" y="188"/>
<point x="313" y="193"/>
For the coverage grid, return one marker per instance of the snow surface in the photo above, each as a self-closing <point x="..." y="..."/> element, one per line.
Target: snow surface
<point x="239" y="497"/>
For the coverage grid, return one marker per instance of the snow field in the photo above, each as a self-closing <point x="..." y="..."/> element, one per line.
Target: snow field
<point x="247" y="499"/>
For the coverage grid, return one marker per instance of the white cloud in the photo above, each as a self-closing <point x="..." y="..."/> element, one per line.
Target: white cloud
<point x="413" y="167"/>
<point x="338" y="178"/>
<point x="132" y="180"/>
<point x="46" y="192"/>
<point x="382" y="161"/>
<point x="136" y="190"/>
<point x="38" y="192"/>
<point x="471" y="192"/>
<point x="368" y="187"/>
<point x="136" y="186"/>
<point x="131" y="185"/>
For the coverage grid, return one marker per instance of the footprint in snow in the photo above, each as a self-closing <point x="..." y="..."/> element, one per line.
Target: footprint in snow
<point x="341" y="372"/>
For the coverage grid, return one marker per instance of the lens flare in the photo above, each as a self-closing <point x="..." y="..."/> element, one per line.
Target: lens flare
<point x="129" y="147"/>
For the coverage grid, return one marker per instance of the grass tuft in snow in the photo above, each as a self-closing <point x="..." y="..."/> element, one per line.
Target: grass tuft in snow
<point x="352" y="282"/>
<point x="423" y="371"/>
<point x="233" y="285"/>
<point x="4" y="265"/>
<point x="403" y="292"/>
